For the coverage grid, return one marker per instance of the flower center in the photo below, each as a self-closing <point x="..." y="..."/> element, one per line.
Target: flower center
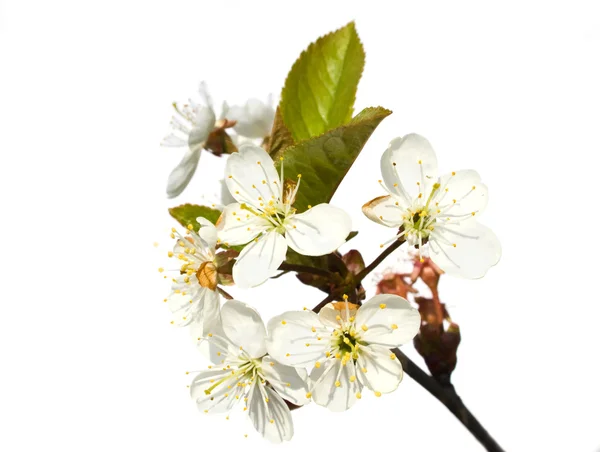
<point x="207" y="275"/>
<point x="245" y="371"/>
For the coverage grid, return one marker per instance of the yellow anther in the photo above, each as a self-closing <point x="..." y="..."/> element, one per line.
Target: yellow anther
<point x="327" y="354"/>
<point x="308" y="395"/>
<point x="283" y="322"/>
<point x="299" y="176"/>
<point x="473" y="213"/>
<point x="338" y="384"/>
<point x="364" y="327"/>
<point x="392" y="356"/>
<point x="382" y="306"/>
<point x="307" y="344"/>
<point x="313" y="329"/>
<point x="258" y="163"/>
<point x="272" y="421"/>
<point x="420" y="195"/>
<point x="338" y="355"/>
<point x="287" y="354"/>
<point x="394" y="326"/>
<point x="454" y="245"/>
<point x="420" y="162"/>
<point x="309" y="206"/>
<point x="170" y="254"/>
<point x="160" y="269"/>
<point x="264" y="181"/>
<point x="454" y="201"/>
<point x="267" y="399"/>
<point x="358" y="396"/>
<point x="230" y="177"/>
<point x="190" y="227"/>
<point x="454" y="173"/>
<point x="352" y="378"/>
<point x="317" y="364"/>
<point x="364" y="370"/>
<point x="271" y="364"/>
<point x="473" y="187"/>
<point x="345" y="297"/>
<point x="338" y="318"/>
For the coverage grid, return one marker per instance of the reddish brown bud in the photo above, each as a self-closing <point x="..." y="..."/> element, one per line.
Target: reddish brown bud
<point x="354" y="261"/>
<point x="395" y="283"/>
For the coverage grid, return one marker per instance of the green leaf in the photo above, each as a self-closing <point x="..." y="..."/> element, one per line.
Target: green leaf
<point x="187" y="214"/>
<point x="324" y="161"/>
<point x="281" y="137"/>
<point x="320" y="89"/>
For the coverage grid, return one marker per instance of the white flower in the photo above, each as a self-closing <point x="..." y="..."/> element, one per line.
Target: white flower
<point x="436" y="211"/>
<point x="246" y="373"/>
<point x="254" y="119"/>
<point x="191" y="125"/>
<point x="265" y="217"/>
<point x="194" y="300"/>
<point x="348" y="345"/>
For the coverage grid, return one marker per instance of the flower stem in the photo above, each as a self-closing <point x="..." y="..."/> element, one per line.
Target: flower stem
<point x="385" y="253"/>
<point x="446" y="394"/>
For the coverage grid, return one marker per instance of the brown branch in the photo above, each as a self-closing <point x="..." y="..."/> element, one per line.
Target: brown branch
<point x="447" y="395"/>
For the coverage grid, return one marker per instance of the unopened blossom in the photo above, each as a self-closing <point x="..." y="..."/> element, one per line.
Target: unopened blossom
<point x="254" y="119"/>
<point x="191" y="127"/>
<point x="438" y="211"/>
<point x="349" y="346"/>
<point x="194" y="299"/>
<point x="264" y="218"/>
<point x="245" y="373"/>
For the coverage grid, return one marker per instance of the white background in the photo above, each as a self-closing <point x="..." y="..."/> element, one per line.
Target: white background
<point x="89" y="361"/>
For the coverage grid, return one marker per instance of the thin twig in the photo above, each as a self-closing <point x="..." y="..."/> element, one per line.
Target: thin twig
<point x="322" y="304"/>
<point x="385" y="253"/>
<point x="304" y="269"/>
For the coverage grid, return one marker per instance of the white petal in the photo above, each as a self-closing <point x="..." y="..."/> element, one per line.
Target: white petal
<point x="415" y="169"/>
<point x="477" y="249"/>
<point x="237" y="226"/>
<point x="251" y="175"/>
<point x="222" y="398"/>
<point x="291" y="383"/>
<point x="271" y="419"/>
<point x="254" y="120"/>
<point x="291" y="331"/>
<point x="318" y="231"/>
<point x="244" y="327"/>
<point x="182" y="174"/>
<point x="204" y="123"/>
<point x="385" y="210"/>
<point x="190" y="307"/>
<point x="461" y="193"/>
<point x="335" y="385"/>
<point x="207" y="232"/>
<point x="259" y="260"/>
<point x="330" y="312"/>
<point x="383" y="373"/>
<point x="390" y="320"/>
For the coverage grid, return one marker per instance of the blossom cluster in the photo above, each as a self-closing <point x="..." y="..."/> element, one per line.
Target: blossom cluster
<point x="328" y="357"/>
